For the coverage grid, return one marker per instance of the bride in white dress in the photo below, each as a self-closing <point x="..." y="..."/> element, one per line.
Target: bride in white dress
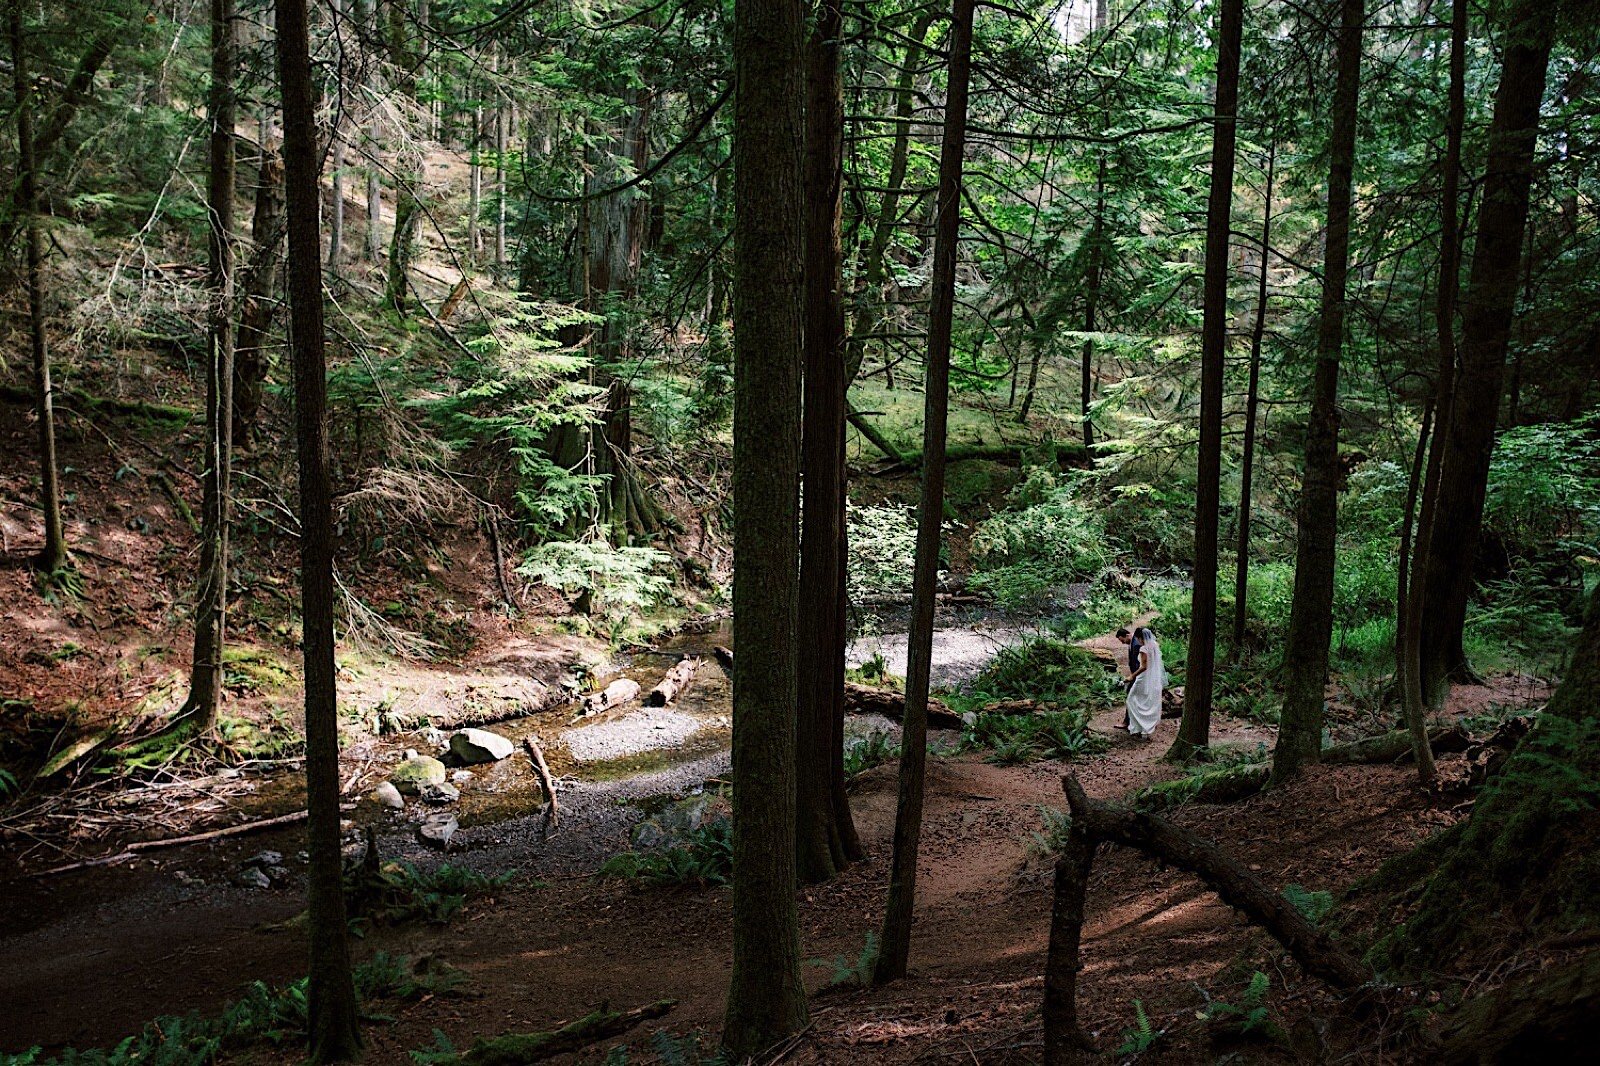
<point x="1144" y="689"/>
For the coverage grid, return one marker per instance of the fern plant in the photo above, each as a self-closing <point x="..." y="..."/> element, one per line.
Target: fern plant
<point x="1142" y="1037"/>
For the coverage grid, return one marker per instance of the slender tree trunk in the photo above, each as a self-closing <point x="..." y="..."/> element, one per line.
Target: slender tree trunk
<point x="1311" y="614"/>
<point x="257" y="308"/>
<point x="1091" y="304"/>
<point x="1487" y="309"/>
<point x="475" y="186"/>
<point x="1412" y="710"/>
<point x="408" y="176"/>
<point x="1241" y="565"/>
<point x="819" y="835"/>
<point x="895" y="950"/>
<point x="501" y="133"/>
<point x="336" y="166"/>
<point x="1194" y="731"/>
<point x="211" y="605"/>
<point x="766" y="999"/>
<point x="1413" y="692"/>
<point x="334" y="1025"/>
<point x="53" y="555"/>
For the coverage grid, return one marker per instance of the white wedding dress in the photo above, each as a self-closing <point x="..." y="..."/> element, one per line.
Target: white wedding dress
<point x="1144" y="698"/>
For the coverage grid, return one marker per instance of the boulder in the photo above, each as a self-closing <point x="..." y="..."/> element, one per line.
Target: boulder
<point x="263" y="859"/>
<point x="387" y="795"/>
<point x="441" y="793"/>
<point x="469" y="747"/>
<point x="437" y="829"/>
<point x="252" y="877"/>
<point x="410" y="776"/>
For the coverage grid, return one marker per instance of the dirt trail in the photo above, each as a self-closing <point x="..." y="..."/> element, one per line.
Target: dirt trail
<point x="140" y="942"/>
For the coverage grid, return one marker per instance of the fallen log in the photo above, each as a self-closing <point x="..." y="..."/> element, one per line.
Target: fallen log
<point x="1312" y="949"/>
<point x="516" y="1049"/>
<point x="1017" y="707"/>
<point x="671" y="686"/>
<point x="724" y="657"/>
<point x="547" y="785"/>
<point x="1172" y="702"/>
<point x="135" y="848"/>
<point x="623" y="690"/>
<point x="1396" y="745"/>
<point x="864" y="699"/>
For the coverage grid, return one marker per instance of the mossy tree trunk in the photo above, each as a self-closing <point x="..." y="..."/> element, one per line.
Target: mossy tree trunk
<point x="258" y="305"/>
<point x="1311" y="614"/>
<point x="1241" y="564"/>
<point x="766" y="999"/>
<point x="334" y="1023"/>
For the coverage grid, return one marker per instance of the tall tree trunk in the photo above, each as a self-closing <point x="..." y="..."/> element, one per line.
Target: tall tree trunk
<point x="1311" y="614"/>
<point x="1091" y="304"/>
<point x="821" y="832"/>
<point x="1194" y="731"/>
<point x="1413" y="695"/>
<point x="408" y="174"/>
<point x="475" y="184"/>
<point x="337" y="150"/>
<point x="211" y="605"/>
<point x="766" y="999"/>
<point x="334" y="1024"/>
<point x="1411" y="710"/>
<point x="257" y="308"/>
<point x="502" y="126"/>
<point x="1241" y="558"/>
<point x="895" y="944"/>
<point x="53" y="555"/>
<point x="1487" y="309"/>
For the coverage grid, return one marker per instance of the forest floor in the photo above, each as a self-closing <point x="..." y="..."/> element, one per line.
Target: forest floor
<point x="172" y="934"/>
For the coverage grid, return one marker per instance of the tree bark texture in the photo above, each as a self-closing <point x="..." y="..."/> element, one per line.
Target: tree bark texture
<point x="211" y="603"/>
<point x="335" y="1032"/>
<point x="1241" y="566"/>
<point x="766" y="1000"/>
<point x="252" y="354"/>
<point x="1194" y="731"/>
<point x="53" y="555"/>
<point x="1311" y="614"/>
<point x="895" y="943"/>
<point x="819" y="835"/>
<point x="1487" y="309"/>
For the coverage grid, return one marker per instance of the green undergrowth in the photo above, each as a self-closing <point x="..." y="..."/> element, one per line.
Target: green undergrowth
<point x="1010" y="739"/>
<point x="398" y="893"/>
<point x="872" y="750"/>
<point x="704" y="858"/>
<point x="263" y="1016"/>
<point x="1048" y="670"/>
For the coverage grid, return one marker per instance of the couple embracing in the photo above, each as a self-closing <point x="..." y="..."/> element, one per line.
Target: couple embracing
<point x="1147" y="679"/>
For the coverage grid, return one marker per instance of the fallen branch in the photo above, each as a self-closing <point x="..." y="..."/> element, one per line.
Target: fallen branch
<point x="546" y="784"/>
<point x="864" y="699"/>
<point x="172" y="842"/>
<point x="671" y="686"/>
<point x="1237" y="886"/>
<point x="516" y="1049"/>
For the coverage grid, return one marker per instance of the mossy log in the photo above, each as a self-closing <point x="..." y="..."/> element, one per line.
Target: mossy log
<point x="1224" y="784"/>
<point x="515" y="1049"/>
<point x="156" y="412"/>
<point x="1546" y="1018"/>
<point x="1395" y="746"/>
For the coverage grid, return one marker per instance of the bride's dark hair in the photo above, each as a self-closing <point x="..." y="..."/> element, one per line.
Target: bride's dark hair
<point x="1146" y="634"/>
